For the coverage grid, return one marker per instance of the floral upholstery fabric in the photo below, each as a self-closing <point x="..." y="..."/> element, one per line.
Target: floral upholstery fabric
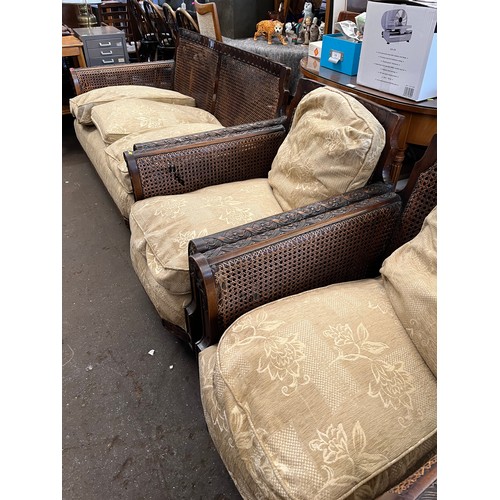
<point x="117" y="119"/>
<point x="330" y="394"/>
<point x="410" y="278"/>
<point x="161" y="228"/>
<point x="321" y="395"/>
<point x="81" y="105"/>
<point x="333" y="146"/>
<point x="114" y="151"/>
<point x="90" y="140"/>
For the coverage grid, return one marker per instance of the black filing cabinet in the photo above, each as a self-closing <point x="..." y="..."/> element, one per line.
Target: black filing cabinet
<point x="103" y="45"/>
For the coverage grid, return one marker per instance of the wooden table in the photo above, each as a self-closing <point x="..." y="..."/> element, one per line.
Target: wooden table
<point x="420" y="122"/>
<point x="72" y="47"/>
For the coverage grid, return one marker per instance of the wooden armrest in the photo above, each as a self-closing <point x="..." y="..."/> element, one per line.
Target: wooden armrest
<point x="153" y="74"/>
<point x="343" y="244"/>
<point x="248" y="232"/>
<point x="192" y="162"/>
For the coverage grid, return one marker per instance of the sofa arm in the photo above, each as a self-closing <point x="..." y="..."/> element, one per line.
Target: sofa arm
<point x="342" y="244"/>
<point x="187" y="163"/>
<point x="153" y="74"/>
<point x="259" y="229"/>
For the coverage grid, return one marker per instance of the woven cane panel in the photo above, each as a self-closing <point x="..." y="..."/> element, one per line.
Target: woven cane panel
<point x="245" y="93"/>
<point x="420" y="203"/>
<point x="338" y="252"/>
<point x="154" y="74"/>
<point x="190" y="169"/>
<point x="196" y="73"/>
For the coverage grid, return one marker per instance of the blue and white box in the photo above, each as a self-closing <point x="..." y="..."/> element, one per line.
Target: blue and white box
<point x="340" y="53"/>
<point x="399" y="53"/>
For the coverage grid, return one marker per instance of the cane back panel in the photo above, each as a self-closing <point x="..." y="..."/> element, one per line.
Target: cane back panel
<point x="152" y="74"/>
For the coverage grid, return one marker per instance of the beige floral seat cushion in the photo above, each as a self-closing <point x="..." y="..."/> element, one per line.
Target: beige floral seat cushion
<point x="161" y="228"/>
<point x="330" y="394"/>
<point x="321" y="395"/>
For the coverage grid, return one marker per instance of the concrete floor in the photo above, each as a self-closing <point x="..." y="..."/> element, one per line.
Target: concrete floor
<point x="133" y="426"/>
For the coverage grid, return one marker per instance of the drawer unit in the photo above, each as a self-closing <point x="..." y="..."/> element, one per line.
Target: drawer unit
<point x="103" y="45"/>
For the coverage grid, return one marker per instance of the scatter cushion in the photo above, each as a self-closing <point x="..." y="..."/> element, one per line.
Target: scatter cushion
<point x="162" y="226"/>
<point x="333" y="146"/>
<point x="81" y="105"/>
<point x="117" y="119"/>
<point x="114" y="152"/>
<point x="410" y="278"/>
<point x="319" y="395"/>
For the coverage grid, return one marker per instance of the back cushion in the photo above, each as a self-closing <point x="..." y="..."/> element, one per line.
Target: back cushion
<point x="115" y="120"/>
<point x="81" y="105"/>
<point x="333" y="147"/>
<point x="410" y="278"/>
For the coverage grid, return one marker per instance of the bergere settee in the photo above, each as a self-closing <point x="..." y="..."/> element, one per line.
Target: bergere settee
<point x="208" y="86"/>
<point x="332" y="143"/>
<point x="331" y="393"/>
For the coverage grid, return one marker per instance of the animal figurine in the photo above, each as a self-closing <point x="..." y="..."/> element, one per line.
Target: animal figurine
<point x="290" y="34"/>
<point x="270" y="28"/>
<point x="321" y="30"/>
<point x="308" y="10"/>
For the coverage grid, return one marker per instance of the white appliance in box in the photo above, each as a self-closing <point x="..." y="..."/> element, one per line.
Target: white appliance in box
<point x="399" y="51"/>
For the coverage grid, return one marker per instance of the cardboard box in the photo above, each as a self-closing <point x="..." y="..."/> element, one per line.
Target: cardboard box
<point x="399" y="53"/>
<point x="315" y="49"/>
<point x="340" y="54"/>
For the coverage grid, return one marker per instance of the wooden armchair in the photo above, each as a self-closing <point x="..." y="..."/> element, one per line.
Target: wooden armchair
<point x="171" y="174"/>
<point x="330" y="391"/>
<point x="345" y="238"/>
<point x="208" y="20"/>
<point x="185" y="20"/>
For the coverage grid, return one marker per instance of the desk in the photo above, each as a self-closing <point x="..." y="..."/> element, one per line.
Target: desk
<point x="72" y="47"/>
<point x="420" y="122"/>
<point x="289" y="55"/>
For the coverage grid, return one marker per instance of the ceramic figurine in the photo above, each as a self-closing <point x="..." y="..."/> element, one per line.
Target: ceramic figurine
<point x="305" y="31"/>
<point x="321" y="30"/>
<point x="290" y="34"/>
<point x="314" y="34"/>
<point x="308" y="10"/>
<point x="270" y="28"/>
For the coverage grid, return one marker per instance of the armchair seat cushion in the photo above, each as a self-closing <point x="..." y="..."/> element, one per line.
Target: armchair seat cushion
<point x="161" y="228"/>
<point x="82" y="105"/>
<point x="326" y="394"/>
<point x="319" y="395"/>
<point x="117" y="119"/>
<point x="333" y="147"/>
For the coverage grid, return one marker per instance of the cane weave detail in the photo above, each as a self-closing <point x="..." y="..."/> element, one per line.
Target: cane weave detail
<point x="196" y="80"/>
<point x="245" y="93"/>
<point x="422" y="200"/>
<point x="152" y="74"/>
<point x="343" y="251"/>
<point x="193" y="168"/>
